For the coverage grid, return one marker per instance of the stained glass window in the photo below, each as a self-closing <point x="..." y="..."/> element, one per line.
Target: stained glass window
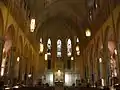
<point x="49" y="47"/>
<point x="59" y="44"/>
<point x="69" y="48"/>
<point x="77" y="47"/>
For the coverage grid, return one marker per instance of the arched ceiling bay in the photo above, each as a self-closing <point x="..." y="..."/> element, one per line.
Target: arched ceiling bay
<point x="74" y="9"/>
<point x="72" y="12"/>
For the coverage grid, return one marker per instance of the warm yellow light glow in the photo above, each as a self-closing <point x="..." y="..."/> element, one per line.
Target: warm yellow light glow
<point x="18" y="59"/>
<point x="16" y="87"/>
<point x="40" y="40"/>
<point x="88" y="33"/>
<point x="7" y="88"/>
<point x="77" y="48"/>
<point x="115" y="52"/>
<point x="72" y="58"/>
<point x="69" y="54"/>
<point x="29" y="75"/>
<point x="32" y="25"/>
<point x="78" y="52"/>
<point x="3" y="66"/>
<point x="3" y="50"/>
<point x="3" y="62"/>
<point x="111" y="57"/>
<point x="46" y="57"/>
<point x="41" y="48"/>
<point x="59" y="72"/>
<point x="2" y="71"/>
<point x="100" y="60"/>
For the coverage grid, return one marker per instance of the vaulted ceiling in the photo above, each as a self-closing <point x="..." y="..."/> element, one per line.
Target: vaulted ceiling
<point x="61" y="17"/>
<point x="73" y="13"/>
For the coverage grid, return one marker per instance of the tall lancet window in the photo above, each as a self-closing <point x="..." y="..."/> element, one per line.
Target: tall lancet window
<point x="77" y="47"/>
<point x="49" y="46"/>
<point x="69" y="48"/>
<point x="59" y="45"/>
<point x="41" y="46"/>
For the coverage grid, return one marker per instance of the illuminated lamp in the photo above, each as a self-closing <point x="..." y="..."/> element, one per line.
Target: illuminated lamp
<point x="29" y="75"/>
<point x="18" y="59"/>
<point x="41" y="48"/>
<point x="78" y="52"/>
<point x="100" y="60"/>
<point x="59" y="72"/>
<point x="32" y="25"/>
<point x="46" y="57"/>
<point x="77" y="48"/>
<point x="88" y="32"/>
<point x="72" y="58"/>
<point x="115" y="52"/>
<point x="77" y="40"/>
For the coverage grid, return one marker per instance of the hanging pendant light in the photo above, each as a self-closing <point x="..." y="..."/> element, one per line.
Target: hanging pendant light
<point x="77" y="48"/>
<point x="88" y="32"/>
<point x="41" y="48"/>
<point x="32" y="25"/>
<point x="72" y="58"/>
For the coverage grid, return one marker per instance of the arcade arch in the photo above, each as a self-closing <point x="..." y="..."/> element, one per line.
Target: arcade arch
<point x="1" y="23"/>
<point x="8" y="50"/>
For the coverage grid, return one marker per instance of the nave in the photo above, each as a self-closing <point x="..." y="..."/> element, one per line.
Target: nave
<point x="60" y="44"/>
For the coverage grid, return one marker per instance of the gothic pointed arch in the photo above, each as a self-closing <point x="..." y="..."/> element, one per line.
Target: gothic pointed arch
<point x="69" y="47"/>
<point x="9" y="38"/>
<point x="24" y="64"/>
<point x="1" y="23"/>
<point x="49" y="46"/>
<point x="59" y="47"/>
<point x="109" y="47"/>
<point x="118" y="27"/>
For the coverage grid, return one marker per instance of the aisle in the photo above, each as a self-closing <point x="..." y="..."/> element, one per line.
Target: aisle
<point x="59" y="88"/>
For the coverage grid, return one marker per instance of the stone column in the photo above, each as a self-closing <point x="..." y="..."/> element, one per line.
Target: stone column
<point x="22" y="68"/>
<point x="45" y="52"/>
<point x="89" y="67"/>
<point x="118" y="60"/>
<point x="16" y="66"/>
<point x="1" y="50"/>
<point x="12" y="62"/>
<point x="25" y="69"/>
<point x="85" y="61"/>
<point x="41" y="65"/>
<point x="64" y="55"/>
<point x="106" y="64"/>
